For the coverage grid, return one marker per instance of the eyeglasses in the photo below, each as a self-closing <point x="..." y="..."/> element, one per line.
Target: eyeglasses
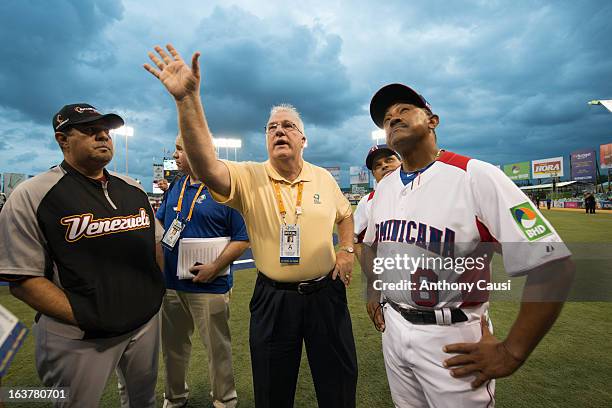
<point x="286" y="125"/>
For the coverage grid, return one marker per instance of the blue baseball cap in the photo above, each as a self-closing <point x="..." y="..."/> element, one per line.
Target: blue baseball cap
<point x="379" y="150"/>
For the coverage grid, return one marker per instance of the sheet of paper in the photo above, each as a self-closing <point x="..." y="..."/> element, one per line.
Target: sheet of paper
<point x="202" y="250"/>
<point x="12" y="333"/>
<point x="8" y="321"/>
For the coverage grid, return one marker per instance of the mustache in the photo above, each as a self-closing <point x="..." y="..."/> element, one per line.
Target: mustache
<point x="398" y="125"/>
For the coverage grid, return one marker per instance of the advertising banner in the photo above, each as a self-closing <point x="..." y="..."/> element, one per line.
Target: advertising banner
<point x="170" y="170"/>
<point x="170" y="175"/>
<point x="583" y="167"/>
<point x="605" y="156"/>
<point x="158" y="171"/>
<point x="158" y="174"/>
<point x="335" y="172"/>
<point x="360" y="175"/>
<point x="547" y="168"/>
<point x="170" y="164"/>
<point x="517" y="171"/>
<point x="360" y="179"/>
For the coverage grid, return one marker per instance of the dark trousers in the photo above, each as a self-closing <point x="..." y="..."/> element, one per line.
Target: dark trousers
<point x="280" y="321"/>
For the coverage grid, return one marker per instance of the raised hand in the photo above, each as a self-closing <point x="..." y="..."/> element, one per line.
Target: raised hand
<point x="178" y="78"/>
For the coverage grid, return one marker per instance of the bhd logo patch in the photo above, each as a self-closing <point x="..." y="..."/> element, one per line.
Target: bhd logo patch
<point x="526" y="216"/>
<point x="529" y="221"/>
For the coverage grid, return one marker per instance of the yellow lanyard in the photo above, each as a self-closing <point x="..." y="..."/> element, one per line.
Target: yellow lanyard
<point x="279" y="200"/>
<point x="180" y="201"/>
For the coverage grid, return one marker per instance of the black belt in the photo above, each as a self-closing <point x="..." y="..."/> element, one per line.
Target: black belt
<point x="303" y="288"/>
<point x="416" y="316"/>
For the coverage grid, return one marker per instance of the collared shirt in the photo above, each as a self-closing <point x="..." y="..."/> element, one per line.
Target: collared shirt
<point x="209" y="220"/>
<point x="323" y="205"/>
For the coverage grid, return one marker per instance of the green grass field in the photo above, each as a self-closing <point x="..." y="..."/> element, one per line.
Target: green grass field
<point x="572" y="366"/>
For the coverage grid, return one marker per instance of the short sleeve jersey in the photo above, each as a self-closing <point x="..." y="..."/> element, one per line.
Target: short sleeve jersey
<point x="95" y="240"/>
<point x="323" y="204"/>
<point x="450" y="209"/>
<point x="361" y="216"/>
<point x="209" y="220"/>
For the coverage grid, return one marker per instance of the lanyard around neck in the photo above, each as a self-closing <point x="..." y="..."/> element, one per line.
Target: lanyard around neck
<point x="281" y="205"/>
<point x="180" y="200"/>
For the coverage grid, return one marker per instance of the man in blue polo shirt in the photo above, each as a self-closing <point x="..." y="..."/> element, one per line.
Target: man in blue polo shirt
<point x="203" y="301"/>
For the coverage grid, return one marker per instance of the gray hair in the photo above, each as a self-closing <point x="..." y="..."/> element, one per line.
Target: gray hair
<point x="285" y="107"/>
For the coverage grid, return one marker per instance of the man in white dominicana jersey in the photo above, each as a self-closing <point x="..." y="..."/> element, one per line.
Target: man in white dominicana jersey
<point x="437" y="344"/>
<point x="380" y="161"/>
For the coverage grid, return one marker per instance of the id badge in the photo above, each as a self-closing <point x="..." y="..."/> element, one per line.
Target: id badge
<point x="290" y="244"/>
<point x="173" y="234"/>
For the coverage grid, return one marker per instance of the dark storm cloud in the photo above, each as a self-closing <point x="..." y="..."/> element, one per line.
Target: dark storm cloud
<point x="13" y="134"/>
<point x="510" y="80"/>
<point x="23" y="157"/>
<point x="251" y="63"/>
<point x="51" y="51"/>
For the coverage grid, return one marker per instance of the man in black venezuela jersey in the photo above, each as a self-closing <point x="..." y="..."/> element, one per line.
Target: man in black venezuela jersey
<point x="78" y="245"/>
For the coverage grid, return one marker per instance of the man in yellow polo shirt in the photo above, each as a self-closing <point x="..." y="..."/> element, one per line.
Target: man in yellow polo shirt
<point x="290" y="208"/>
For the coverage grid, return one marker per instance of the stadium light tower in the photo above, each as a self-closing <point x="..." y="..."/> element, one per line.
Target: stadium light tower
<point x="378" y="134"/>
<point x="607" y="103"/>
<point x="124" y="131"/>
<point x="235" y="144"/>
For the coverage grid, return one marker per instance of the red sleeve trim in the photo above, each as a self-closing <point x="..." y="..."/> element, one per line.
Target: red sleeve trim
<point x="361" y="236"/>
<point x="371" y="195"/>
<point x="454" y="159"/>
<point x="485" y="235"/>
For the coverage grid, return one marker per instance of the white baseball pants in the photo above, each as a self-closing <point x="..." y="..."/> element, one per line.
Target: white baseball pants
<point x="413" y="360"/>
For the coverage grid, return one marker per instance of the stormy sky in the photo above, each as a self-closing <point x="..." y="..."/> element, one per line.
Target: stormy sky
<point x="510" y="80"/>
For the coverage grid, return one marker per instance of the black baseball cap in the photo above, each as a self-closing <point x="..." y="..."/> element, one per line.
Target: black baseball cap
<point x="379" y="150"/>
<point x="391" y="94"/>
<point x="81" y="113"/>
